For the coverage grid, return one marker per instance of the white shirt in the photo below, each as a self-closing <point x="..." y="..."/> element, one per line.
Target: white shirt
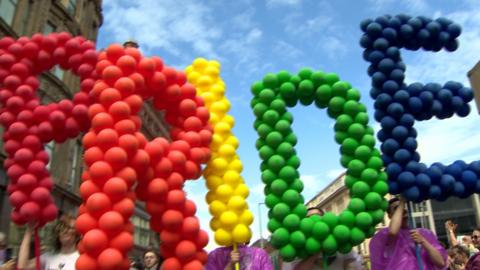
<point x="353" y="260"/>
<point x="59" y="261"/>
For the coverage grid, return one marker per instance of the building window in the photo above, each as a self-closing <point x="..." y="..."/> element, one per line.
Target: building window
<point x="49" y="149"/>
<point x="7" y="10"/>
<point x="142" y="231"/>
<point x="71" y="6"/>
<point x="49" y="28"/>
<point x="75" y="160"/>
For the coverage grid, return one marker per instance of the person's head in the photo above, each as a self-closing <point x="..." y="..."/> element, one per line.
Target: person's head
<point x="458" y="255"/>
<point x="393" y="204"/>
<point x="315" y="211"/>
<point x="466" y="240"/>
<point x="476" y="237"/>
<point x="150" y="258"/>
<point x="66" y="234"/>
<point x="3" y="241"/>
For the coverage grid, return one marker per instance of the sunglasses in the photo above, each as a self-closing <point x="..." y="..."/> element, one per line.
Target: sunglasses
<point x="475" y="236"/>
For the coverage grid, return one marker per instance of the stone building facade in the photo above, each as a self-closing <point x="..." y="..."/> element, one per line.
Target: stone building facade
<point x="78" y="17"/>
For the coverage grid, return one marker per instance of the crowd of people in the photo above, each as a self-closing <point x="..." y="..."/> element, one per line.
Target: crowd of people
<point x="398" y="246"/>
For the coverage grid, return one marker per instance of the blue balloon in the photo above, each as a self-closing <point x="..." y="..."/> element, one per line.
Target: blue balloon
<point x="393" y="53"/>
<point x="381" y="44"/>
<point x="390" y="146"/>
<point x="435" y="192"/>
<point x="402" y="156"/>
<point x="389" y="33"/>
<point x="453" y="86"/>
<point x="466" y="94"/>
<point x="445" y="96"/>
<point x="444" y="37"/>
<point x="400" y="133"/>
<point x="426" y="97"/>
<point x="403" y="17"/>
<point x="414" y="89"/>
<point x="375" y="56"/>
<point x="382" y="20"/>
<point x="394" y="23"/>
<point x="386" y="65"/>
<point x="434" y="27"/>
<point x="378" y="115"/>
<point x="464" y="110"/>
<point x="374" y="92"/>
<point x="437" y="107"/>
<point x="469" y="179"/>
<point x="415" y="23"/>
<point x="400" y="95"/>
<point x="446" y="182"/>
<point x="452" y="45"/>
<point x="388" y="123"/>
<point x="415" y="104"/>
<point x="462" y="164"/>
<point x="475" y="167"/>
<point x="393" y="188"/>
<point x="407" y="120"/>
<point x="364" y="24"/>
<point x="383" y="100"/>
<point x="454" y="170"/>
<point x="413" y="167"/>
<point x="381" y="135"/>
<point x="458" y="189"/>
<point x="390" y="87"/>
<point x="412" y="194"/>
<point x="396" y="109"/>
<point x="406" y="31"/>
<point x="457" y="103"/>
<point x="406" y="179"/>
<point x="454" y="30"/>
<point x="410" y="144"/>
<point x="435" y="174"/>
<point x="423" y="35"/>
<point x="397" y="75"/>
<point x="378" y="78"/>
<point x="444" y="22"/>
<point x="393" y="170"/>
<point x="374" y="29"/>
<point x="423" y="181"/>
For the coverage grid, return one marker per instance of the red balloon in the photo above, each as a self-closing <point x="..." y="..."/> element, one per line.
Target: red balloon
<point x="175" y="181"/>
<point x="30" y="211"/>
<point x="11" y="147"/>
<point x="128" y="174"/>
<point x="17" y="129"/>
<point x="57" y="119"/>
<point x="155" y="207"/>
<point x="127" y="64"/>
<point x="101" y="121"/>
<point x="107" y="138"/>
<point x="49" y="212"/>
<point x="85" y="222"/>
<point x="110" y="259"/>
<point x="185" y="250"/>
<point x="95" y="241"/>
<point x="111" y="222"/>
<point x="98" y="203"/>
<point x="157" y="189"/>
<point x="187" y="107"/>
<point x="41" y="196"/>
<point x="111" y="73"/>
<point x="192" y="170"/>
<point x="176" y="199"/>
<point x="27" y="182"/>
<point x="201" y="256"/>
<point x="125" y="126"/>
<point x="172" y="264"/>
<point x="92" y="155"/>
<point x="116" y="188"/>
<point x="100" y="171"/>
<point x="172" y="219"/>
<point x="155" y="150"/>
<point x="86" y="262"/>
<point x="114" y="52"/>
<point x="178" y="158"/>
<point x="125" y="207"/>
<point x="14" y="172"/>
<point x="18" y="198"/>
<point x="189" y="208"/>
<point x="141" y="160"/>
<point x="202" y="239"/>
<point x="190" y="226"/>
<point x="46" y="182"/>
<point x="87" y="188"/>
<point x="193" y="265"/>
<point x="32" y="142"/>
<point x="169" y="239"/>
<point x="120" y="110"/>
<point x="129" y="143"/>
<point x="123" y="242"/>
<point x="109" y="96"/>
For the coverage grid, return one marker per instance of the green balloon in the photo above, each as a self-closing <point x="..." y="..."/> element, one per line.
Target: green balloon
<point x="288" y="253"/>
<point x="350" y="181"/>
<point x="363" y="220"/>
<point x="368" y="140"/>
<point x="356" y="205"/>
<point x="271" y="117"/>
<point x="291" y="222"/>
<point x="351" y="107"/>
<point x="302" y="253"/>
<point x="344" y="160"/>
<point x="375" y="163"/>
<point x="340" y="136"/>
<point x="320" y="230"/>
<point x="353" y="94"/>
<point x="312" y="246"/>
<point x="305" y="73"/>
<point x="363" y="153"/>
<point x="279" y="106"/>
<point x="343" y="122"/>
<point x="259" y="109"/>
<point x="369" y="175"/>
<point x="266" y="152"/>
<point x="384" y="205"/>
<point x="330" y="219"/>
<point x="297" y="185"/>
<point x="257" y="123"/>
<point x="294" y="161"/>
<point x="329" y="245"/>
<point x="285" y="149"/>
<point x="287" y="90"/>
<point x="305" y="88"/>
<point x="270" y="81"/>
<point x="291" y="102"/>
<point x="263" y="166"/>
<point x="370" y="232"/>
<point x="278" y="187"/>
<point x="295" y="79"/>
<point x="323" y="93"/>
<point x="357" y="236"/>
<point x="339" y="89"/>
<point x="271" y="200"/>
<point x="336" y="104"/>
<point x="356" y="131"/>
<point x="318" y="78"/>
<point x="291" y="197"/>
<point x="377" y="215"/>
<point x="360" y="189"/>
<point x="369" y="130"/>
<point x="280" y="237"/>
<point x="373" y="201"/>
<point x="297" y="238"/>
<point x="259" y="143"/>
<point x="268" y="176"/>
<point x="273" y="225"/>
<point x="288" y="174"/>
<point x="306" y="100"/>
<point x="306" y="226"/>
<point x="276" y="162"/>
<point x="274" y="138"/>
<point x="382" y="176"/>
<point x="347" y="218"/>
<point x="355" y="167"/>
<point x="341" y="233"/>
<point x="361" y="118"/>
<point x="254" y="102"/>
<point x="345" y="248"/>
<point x="263" y="130"/>
<point x="300" y="210"/>
<point x="283" y="76"/>
<point x="266" y="95"/>
<point x="283" y="126"/>
<point x="291" y="138"/>
<point x="381" y="188"/>
<point x="257" y="87"/>
<point x="349" y="146"/>
<point x="280" y="211"/>
<point x="331" y="78"/>
<point x="287" y="116"/>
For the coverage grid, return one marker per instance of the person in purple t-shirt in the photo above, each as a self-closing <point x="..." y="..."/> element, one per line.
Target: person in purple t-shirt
<point x="394" y="247"/>
<point x="249" y="258"/>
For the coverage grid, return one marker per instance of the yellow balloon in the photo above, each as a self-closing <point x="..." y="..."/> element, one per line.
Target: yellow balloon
<point x="217" y="208"/>
<point x="246" y="217"/>
<point x="213" y="182"/>
<point x="233" y="141"/>
<point x="215" y="224"/>
<point x="223" y="237"/>
<point x="221" y="128"/>
<point x="210" y="197"/>
<point x="241" y="234"/>
<point x="200" y="63"/>
<point x="231" y="177"/>
<point x="218" y="89"/>
<point x="237" y="202"/>
<point x="241" y="190"/>
<point x="224" y="192"/>
<point x="228" y="219"/>
<point x="212" y="71"/>
<point x="226" y="150"/>
<point x="219" y="164"/>
<point x="236" y="165"/>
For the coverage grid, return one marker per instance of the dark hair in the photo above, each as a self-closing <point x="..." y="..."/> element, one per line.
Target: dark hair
<point x="152" y="251"/>
<point x="62" y="223"/>
<point x="390" y="202"/>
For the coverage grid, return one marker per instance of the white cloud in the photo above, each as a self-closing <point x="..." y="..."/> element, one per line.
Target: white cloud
<point x="333" y="174"/>
<point x="157" y="25"/>
<point x="275" y="3"/>
<point x="244" y="20"/>
<point x="287" y="50"/>
<point x="411" y="5"/>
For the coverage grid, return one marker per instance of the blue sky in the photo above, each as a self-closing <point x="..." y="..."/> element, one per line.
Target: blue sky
<point x="253" y="37"/>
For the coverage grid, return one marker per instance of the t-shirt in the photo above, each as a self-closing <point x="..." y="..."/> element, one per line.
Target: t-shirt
<point x="59" y="261"/>
<point x="349" y="261"/>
